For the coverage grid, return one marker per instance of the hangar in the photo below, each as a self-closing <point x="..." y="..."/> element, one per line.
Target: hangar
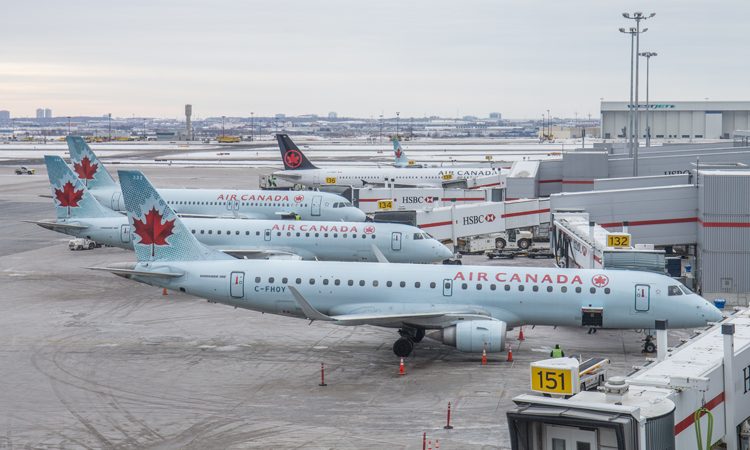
<point x="679" y="120"/>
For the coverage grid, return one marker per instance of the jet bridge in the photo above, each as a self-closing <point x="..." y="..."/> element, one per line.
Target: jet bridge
<point x="578" y="242"/>
<point x="654" y="407"/>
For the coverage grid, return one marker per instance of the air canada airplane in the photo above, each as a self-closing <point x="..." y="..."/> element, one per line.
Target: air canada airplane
<point x="229" y="203"/>
<point x="469" y="307"/>
<point x="298" y="169"/>
<point x="79" y="214"/>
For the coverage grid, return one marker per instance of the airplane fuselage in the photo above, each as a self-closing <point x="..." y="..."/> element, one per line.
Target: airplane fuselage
<point x="515" y="295"/>
<point x="362" y="176"/>
<point x="326" y="241"/>
<point x="249" y="204"/>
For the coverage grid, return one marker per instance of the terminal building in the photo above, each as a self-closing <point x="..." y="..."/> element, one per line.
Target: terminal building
<point x="679" y="120"/>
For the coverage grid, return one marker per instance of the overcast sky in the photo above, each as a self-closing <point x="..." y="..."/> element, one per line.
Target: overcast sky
<point x="434" y="57"/>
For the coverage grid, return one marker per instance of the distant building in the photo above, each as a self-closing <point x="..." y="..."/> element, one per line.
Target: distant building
<point x="496" y="116"/>
<point x="333" y="115"/>
<point x="281" y="116"/>
<point x="4" y="116"/>
<point x="40" y="113"/>
<point x="47" y="113"/>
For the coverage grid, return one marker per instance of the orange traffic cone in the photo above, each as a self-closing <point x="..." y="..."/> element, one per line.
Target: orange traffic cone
<point x="510" y="355"/>
<point x="484" y="357"/>
<point x="401" y="367"/>
<point x="520" y="335"/>
<point x="164" y="291"/>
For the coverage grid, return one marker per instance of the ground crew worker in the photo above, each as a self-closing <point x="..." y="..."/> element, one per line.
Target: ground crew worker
<point x="557" y="352"/>
<point x="297" y="217"/>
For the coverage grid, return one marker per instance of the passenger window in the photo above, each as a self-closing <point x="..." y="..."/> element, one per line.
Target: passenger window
<point x="592" y="290"/>
<point x="325" y="281"/>
<point x="193" y="231"/>
<point x="479" y="286"/>
<point x="337" y="282"/>
<point x="578" y="289"/>
<point x="257" y="279"/>
<point x="674" y="290"/>
<point x="298" y="281"/>
<point x="464" y="286"/>
<point x="402" y="284"/>
<point x="270" y="280"/>
<point x="361" y="282"/>
<point x="237" y="233"/>
<point x="284" y="280"/>
<point x="564" y="289"/>
<point x="535" y="288"/>
<point x="521" y="287"/>
<point x="493" y="287"/>
<point x="218" y="231"/>
<point x="389" y="284"/>
<point x="312" y="280"/>
<point x="417" y="284"/>
<point x="374" y="283"/>
<point x="549" y="288"/>
<point x="350" y="282"/>
<point x="432" y="285"/>
<point x="507" y="287"/>
<point x="343" y="235"/>
<point x="210" y="231"/>
<point x="607" y="291"/>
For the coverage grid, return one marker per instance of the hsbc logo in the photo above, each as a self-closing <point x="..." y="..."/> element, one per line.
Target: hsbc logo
<point x="416" y="199"/>
<point x="473" y="220"/>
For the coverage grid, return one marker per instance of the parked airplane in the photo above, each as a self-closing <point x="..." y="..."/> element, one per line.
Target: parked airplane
<point x="244" y="204"/>
<point x="469" y="307"/>
<point x="79" y="214"/>
<point x="400" y="156"/>
<point x="298" y="169"/>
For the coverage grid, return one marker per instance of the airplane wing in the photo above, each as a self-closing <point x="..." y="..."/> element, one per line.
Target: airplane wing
<point x="245" y="253"/>
<point x="57" y="226"/>
<point x="433" y="319"/>
<point x="127" y="273"/>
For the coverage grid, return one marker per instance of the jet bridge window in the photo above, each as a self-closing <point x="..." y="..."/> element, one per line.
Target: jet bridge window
<point x="674" y="290"/>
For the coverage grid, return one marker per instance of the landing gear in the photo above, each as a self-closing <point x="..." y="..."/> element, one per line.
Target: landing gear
<point x="648" y="344"/>
<point x="405" y="345"/>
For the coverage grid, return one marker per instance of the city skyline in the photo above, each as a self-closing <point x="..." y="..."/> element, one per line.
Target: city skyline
<point x="421" y="59"/>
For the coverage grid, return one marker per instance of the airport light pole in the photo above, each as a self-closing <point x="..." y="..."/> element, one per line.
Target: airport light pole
<point x="68" y="125"/>
<point x="631" y="31"/>
<point x="549" y="124"/>
<point x="648" y="56"/>
<point x="398" y="119"/>
<point x="252" y="126"/>
<point x="222" y="125"/>
<point x="109" y="117"/>
<point x="637" y="16"/>
<point x="380" y="133"/>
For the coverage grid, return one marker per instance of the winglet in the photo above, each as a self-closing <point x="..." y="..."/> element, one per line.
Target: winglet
<point x="310" y="312"/>
<point x="379" y="254"/>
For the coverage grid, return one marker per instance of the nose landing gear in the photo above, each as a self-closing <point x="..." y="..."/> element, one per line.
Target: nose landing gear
<point x="405" y="344"/>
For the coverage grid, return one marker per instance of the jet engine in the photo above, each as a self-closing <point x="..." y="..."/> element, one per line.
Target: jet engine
<point x="472" y="336"/>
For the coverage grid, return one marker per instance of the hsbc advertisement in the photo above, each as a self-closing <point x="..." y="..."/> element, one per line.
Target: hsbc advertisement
<point x="415" y="199"/>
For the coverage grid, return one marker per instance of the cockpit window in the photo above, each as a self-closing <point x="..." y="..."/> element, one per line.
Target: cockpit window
<point x="674" y="290"/>
<point x="418" y="236"/>
<point x="346" y="204"/>
<point x="686" y="290"/>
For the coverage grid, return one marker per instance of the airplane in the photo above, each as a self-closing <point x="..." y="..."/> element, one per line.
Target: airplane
<point x="79" y="214"/>
<point x="229" y="203"/>
<point x="468" y="307"/>
<point x="400" y="159"/>
<point x="298" y="169"/>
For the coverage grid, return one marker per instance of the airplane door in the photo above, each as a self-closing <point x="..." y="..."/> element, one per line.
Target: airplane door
<point x="447" y="287"/>
<point x="396" y="241"/>
<point x="267" y="235"/>
<point x="642" y="297"/>
<point x="116" y="201"/>
<point x="233" y="205"/>
<point x="125" y="233"/>
<point x="237" y="284"/>
<point x="315" y="211"/>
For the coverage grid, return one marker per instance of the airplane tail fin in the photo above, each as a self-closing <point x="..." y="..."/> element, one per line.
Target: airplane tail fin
<point x="292" y="156"/>
<point x="87" y="166"/>
<point x="158" y="233"/>
<point x="400" y="156"/>
<point x="70" y="195"/>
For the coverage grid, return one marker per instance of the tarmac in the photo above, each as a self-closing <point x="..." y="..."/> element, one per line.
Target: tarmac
<point x="91" y="360"/>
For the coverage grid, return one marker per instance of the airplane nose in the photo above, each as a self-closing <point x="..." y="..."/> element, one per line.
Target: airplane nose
<point x="444" y="252"/>
<point x="712" y="313"/>
<point x="356" y="215"/>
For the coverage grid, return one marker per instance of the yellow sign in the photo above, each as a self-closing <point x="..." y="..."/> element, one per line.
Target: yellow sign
<point x="447" y="176"/>
<point x="330" y="180"/>
<point x="551" y="381"/>
<point x="385" y="204"/>
<point x="618" y="240"/>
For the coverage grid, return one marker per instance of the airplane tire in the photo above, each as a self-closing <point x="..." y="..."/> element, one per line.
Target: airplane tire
<point x="649" y="347"/>
<point x="403" y="347"/>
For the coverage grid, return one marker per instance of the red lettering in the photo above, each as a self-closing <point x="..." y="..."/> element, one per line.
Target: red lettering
<point x="290" y="227"/>
<point x="531" y="278"/>
<point x="276" y="228"/>
<point x="515" y="277"/>
<point x="459" y="276"/>
<point x="323" y="227"/>
<point x="220" y="197"/>
<point x="547" y="279"/>
<point x="233" y="197"/>
<point x="499" y="277"/>
<point x="482" y="276"/>
<point x="562" y="279"/>
<point x="576" y="279"/>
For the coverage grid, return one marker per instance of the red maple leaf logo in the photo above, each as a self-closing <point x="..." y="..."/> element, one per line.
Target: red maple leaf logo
<point x="398" y="152"/>
<point x="151" y="230"/>
<point x="298" y="198"/>
<point x="600" y="280"/>
<point x="85" y="169"/>
<point x="369" y="229"/>
<point x="293" y="158"/>
<point x="68" y="196"/>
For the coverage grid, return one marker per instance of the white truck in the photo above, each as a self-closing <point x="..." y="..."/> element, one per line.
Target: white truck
<point x="82" y="244"/>
<point x="509" y="239"/>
